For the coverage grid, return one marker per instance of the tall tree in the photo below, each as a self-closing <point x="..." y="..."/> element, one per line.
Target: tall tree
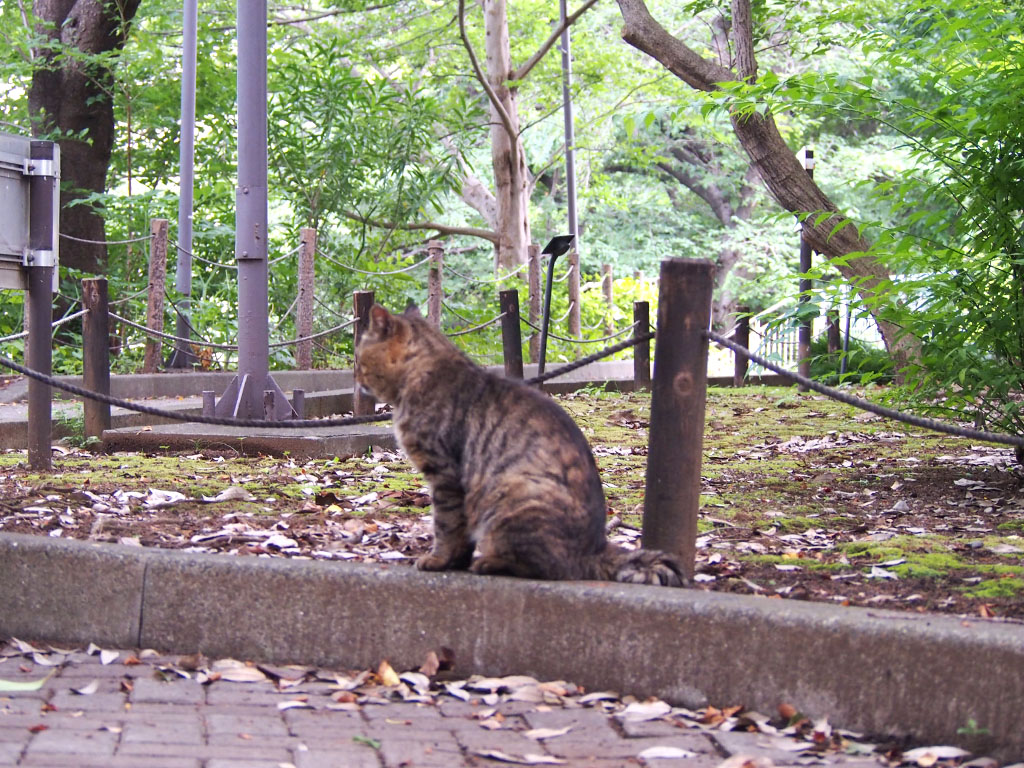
<point x="72" y="98"/>
<point x="512" y="180"/>
<point x="683" y="158"/>
<point x="833" y="234"/>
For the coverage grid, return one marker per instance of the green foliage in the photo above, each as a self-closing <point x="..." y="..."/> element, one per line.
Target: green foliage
<point x="864" y="363"/>
<point x="961" y="245"/>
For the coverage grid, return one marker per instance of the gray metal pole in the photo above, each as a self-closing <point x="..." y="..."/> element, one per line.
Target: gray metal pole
<point x="570" y="176"/>
<point x="182" y="356"/>
<point x="245" y="395"/>
<point x="251" y="200"/>
<point x="44" y="208"/>
<point x="570" y="133"/>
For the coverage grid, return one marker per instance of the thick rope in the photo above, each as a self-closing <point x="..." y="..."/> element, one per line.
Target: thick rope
<point x="267" y="424"/>
<point x="366" y="272"/>
<point x="867" y="405"/>
<point x="106" y="242"/>
<point x="475" y="328"/>
<point x="625" y="330"/>
<point x="492" y="280"/>
<point x="171" y="336"/>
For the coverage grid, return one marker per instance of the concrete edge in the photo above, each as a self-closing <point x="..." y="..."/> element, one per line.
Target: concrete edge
<point x="875" y="671"/>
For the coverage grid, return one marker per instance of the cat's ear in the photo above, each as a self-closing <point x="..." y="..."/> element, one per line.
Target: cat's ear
<point x="411" y="310"/>
<point x="380" y="320"/>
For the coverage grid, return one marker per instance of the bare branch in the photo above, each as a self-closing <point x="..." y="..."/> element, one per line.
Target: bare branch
<point x="643" y="32"/>
<point x="442" y="229"/>
<point x="540" y="53"/>
<point x="503" y="115"/>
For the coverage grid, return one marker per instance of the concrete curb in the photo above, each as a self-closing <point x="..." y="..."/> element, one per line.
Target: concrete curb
<point x="302" y="443"/>
<point x="880" y="672"/>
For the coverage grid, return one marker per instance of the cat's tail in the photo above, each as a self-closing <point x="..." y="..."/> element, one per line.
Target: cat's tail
<point x="639" y="566"/>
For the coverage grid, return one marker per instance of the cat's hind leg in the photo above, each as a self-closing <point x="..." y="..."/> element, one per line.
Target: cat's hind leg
<point x="519" y="545"/>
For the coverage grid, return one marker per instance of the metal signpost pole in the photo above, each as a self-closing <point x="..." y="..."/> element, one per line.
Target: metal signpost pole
<point x="41" y="264"/>
<point x="182" y="357"/>
<point x="246" y="396"/>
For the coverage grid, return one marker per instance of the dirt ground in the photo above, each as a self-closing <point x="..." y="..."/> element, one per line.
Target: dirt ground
<point x="802" y="498"/>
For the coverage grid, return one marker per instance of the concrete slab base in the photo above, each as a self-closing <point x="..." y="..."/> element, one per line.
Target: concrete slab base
<point x="874" y="671"/>
<point x="298" y="442"/>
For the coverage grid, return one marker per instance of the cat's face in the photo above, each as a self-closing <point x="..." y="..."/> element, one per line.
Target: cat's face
<point x="382" y="353"/>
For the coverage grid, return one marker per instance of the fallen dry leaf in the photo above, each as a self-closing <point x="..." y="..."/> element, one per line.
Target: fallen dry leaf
<point x="665" y="753"/>
<point x="387" y="675"/>
<point x="546" y="733"/>
<point x="530" y="759"/>
<point x="640" y="711"/>
<point x="88" y="689"/>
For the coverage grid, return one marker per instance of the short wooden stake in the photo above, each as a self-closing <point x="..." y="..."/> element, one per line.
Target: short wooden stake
<point x="96" y="354"/>
<point x="742" y="337"/>
<point x="679" y="392"/>
<point x="575" y="326"/>
<point x="304" y="301"/>
<point x="511" y="334"/>
<point x="157" y="284"/>
<point x="533" y="312"/>
<point x="835" y="336"/>
<point x="435" y="292"/>
<point x="641" y="351"/>
<point x="607" y="288"/>
<point x="362" y="402"/>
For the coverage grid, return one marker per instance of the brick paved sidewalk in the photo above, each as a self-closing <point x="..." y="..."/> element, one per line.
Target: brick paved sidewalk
<point x="143" y="714"/>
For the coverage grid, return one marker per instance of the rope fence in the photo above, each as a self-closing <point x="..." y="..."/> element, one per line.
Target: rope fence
<point x="334" y="261"/>
<point x="866" y="405"/>
<point x="475" y="328"/>
<point x="140" y="239"/>
<point x="288" y="423"/>
<point x="489" y="281"/>
<point x="616" y="335"/>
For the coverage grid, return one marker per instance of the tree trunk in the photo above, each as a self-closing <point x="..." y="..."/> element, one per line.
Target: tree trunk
<point x="776" y="163"/>
<point x="73" y="94"/>
<point x="507" y="156"/>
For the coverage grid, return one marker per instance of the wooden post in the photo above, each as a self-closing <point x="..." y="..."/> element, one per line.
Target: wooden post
<point x="835" y="336"/>
<point x="672" y="498"/>
<point x="607" y="288"/>
<point x="96" y="354"/>
<point x="304" y="302"/>
<point x="511" y="336"/>
<point x="362" y="301"/>
<point x="575" y="327"/>
<point x="435" y="293"/>
<point x="157" y="281"/>
<point x="803" y="344"/>
<point x="533" y="311"/>
<point x="742" y="337"/>
<point x="642" y="351"/>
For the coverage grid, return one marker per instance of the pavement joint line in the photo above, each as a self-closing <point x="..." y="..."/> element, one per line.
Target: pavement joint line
<point x="868" y="670"/>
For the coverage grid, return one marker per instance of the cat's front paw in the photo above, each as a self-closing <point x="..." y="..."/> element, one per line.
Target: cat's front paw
<point x="432" y="562"/>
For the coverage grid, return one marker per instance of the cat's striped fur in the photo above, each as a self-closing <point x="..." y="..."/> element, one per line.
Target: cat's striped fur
<point x="511" y="476"/>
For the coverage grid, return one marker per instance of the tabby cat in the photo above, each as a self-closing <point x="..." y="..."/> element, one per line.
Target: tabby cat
<point x="512" y="478"/>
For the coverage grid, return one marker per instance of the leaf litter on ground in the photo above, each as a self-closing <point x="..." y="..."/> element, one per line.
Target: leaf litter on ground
<point x="802" y="498"/>
<point x="305" y="687"/>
